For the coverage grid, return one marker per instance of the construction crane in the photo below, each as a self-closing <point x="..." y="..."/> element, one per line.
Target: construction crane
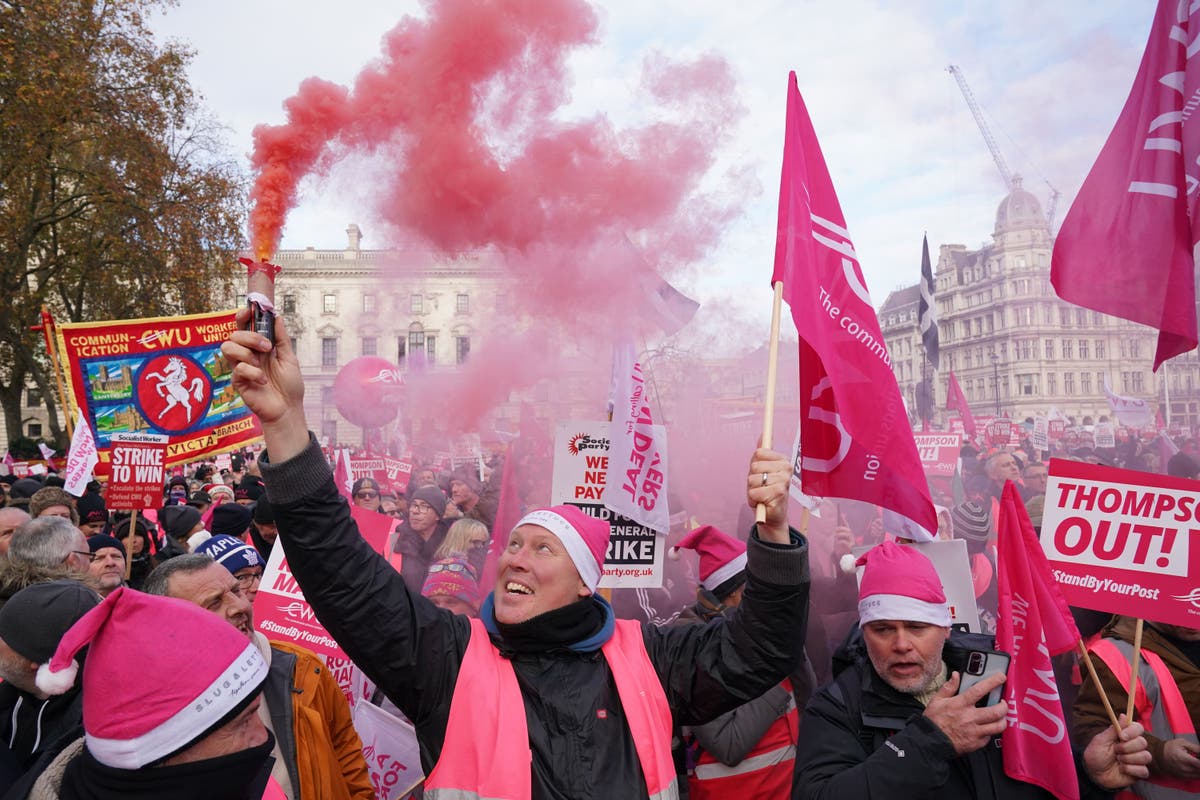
<point x="994" y="148"/>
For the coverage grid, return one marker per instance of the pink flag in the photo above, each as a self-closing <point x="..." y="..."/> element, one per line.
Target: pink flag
<point x="342" y="475"/>
<point x="957" y="401"/>
<point x="855" y="439"/>
<point x="508" y="512"/>
<point x="9" y="461"/>
<point x="1034" y="625"/>
<point x="1125" y="247"/>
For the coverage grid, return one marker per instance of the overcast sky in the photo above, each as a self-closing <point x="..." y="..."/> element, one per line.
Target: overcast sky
<point x="903" y="150"/>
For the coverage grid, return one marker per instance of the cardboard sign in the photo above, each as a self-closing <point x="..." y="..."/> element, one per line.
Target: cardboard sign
<point x="1056" y="429"/>
<point x="1105" y="436"/>
<point x="1000" y="432"/>
<point x="635" y="553"/>
<point x="938" y="453"/>
<point x="398" y="472"/>
<point x="954" y="569"/>
<point x="391" y="751"/>
<point x="1041" y="433"/>
<point x="1124" y="542"/>
<point x="137" y="471"/>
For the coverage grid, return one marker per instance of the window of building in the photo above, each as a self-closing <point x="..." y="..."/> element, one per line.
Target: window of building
<point x="289" y="304"/>
<point x="329" y="355"/>
<point x="978" y="326"/>
<point x="1126" y="383"/>
<point x="1100" y="380"/>
<point x="1135" y="348"/>
<point x="1049" y="349"/>
<point x="369" y="303"/>
<point x="1124" y="348"/>
<point x="416" y="340"/>
<point x="1081" y="317"/>
<point x="1085" y="383"/>
<point x="462" y="303"/>
<point x="431" y="349"/>
<point x="1083" y="349"/>
<point x="1052" y="383"/>
<point x="1139" y="384"/>
<point x="966" y="328"/>
<point x="33" y="397"/>
<point x="33" y="430"/>
<point x="462" y="348"/>
<point x="401" y="349"/>
<point x="1069" y="382"/>
<point x="1097" y="319"/>
<point x="1100" y="348"/>
<point x="1068" y="349"/>
<point x="1064" y="316"/>
<point x="991" y="327"/>
<point x="979" y="356"/>
<point x="368" y="345"/>
<point x="329" y="304"/>
<point x="416" y="304"/>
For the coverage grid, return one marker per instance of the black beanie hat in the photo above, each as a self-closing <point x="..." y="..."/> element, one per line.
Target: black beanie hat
<point x="34" y="619"/>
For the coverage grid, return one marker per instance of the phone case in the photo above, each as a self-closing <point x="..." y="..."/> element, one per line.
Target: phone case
<point x="982" y="664"/>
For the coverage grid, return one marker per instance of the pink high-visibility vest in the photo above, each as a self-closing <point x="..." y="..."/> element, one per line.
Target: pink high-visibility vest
<point x="273" y="791"/>
<point x="1160" y="707"/>
<point x="765" y="773"/>
<point x="486" y="752"/>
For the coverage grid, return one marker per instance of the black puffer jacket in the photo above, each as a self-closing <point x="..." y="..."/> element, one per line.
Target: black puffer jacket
<point x="862" y="739"/>
<point x="413" y="650"/>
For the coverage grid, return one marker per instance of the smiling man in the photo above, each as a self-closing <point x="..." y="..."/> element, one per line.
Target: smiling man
<point x="317" y="752"/>
<point x="893" y="723"/>
<point x="547" y="694"/>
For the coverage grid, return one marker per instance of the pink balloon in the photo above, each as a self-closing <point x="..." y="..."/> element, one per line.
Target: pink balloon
<point x="367" y="391"/>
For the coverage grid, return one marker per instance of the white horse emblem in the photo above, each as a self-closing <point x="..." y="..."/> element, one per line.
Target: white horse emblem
<point x="174" y="386"/>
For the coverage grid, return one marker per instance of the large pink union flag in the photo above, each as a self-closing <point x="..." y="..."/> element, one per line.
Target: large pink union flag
<point x="1126" y="245"/>
<point x="1034" y="625"/>
<point x="855" y="438"/>
<point x="957" y="401"/>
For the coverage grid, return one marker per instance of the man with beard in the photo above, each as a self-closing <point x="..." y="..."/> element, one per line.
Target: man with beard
<point x="317" y="753"/>
<point x="893" y="723"/>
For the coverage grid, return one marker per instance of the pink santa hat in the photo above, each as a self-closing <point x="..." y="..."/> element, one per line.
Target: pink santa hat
<point x="209" y="671"/>
<point x="721" y="556"/>
<point x="584" y="537"/>
<point x="900" y="583"/>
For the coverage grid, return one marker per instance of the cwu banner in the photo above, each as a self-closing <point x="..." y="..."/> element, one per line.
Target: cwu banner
<point x="161" y="375"/>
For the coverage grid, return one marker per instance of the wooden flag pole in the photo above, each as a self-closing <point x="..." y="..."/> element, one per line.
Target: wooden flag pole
<point x="133" y="515"/>
<point x="1133" y="675"/>
<point x="1091" y="668"/>
<point x="47" y="328"/>
<point x="760" y="513"/>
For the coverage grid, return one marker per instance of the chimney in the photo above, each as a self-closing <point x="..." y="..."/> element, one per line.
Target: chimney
<point x="354" y="237"/>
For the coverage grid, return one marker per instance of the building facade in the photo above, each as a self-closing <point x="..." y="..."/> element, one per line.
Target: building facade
<point x="1015" y="347"/>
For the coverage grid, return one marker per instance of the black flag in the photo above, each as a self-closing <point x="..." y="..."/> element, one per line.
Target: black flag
<point x="927" y="313"/>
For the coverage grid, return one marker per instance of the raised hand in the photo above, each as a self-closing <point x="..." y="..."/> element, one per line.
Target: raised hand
<point x="968" y="728"/>
<point x="1116" y="763"/>
<point x="768" y="481"/>
<point x="268" y="380"/>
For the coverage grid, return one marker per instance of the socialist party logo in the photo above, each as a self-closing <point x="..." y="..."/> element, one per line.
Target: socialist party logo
<point x="173" y="392"/>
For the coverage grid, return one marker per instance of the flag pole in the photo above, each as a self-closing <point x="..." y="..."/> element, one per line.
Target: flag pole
<point x="1133" y="676"/>
<point x="1091" y="668"/>
<point x="48" y="331"/>
<point x="768" y="432"/>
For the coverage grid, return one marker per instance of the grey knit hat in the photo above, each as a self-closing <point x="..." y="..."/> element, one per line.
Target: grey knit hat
<point x="972" y="520"/>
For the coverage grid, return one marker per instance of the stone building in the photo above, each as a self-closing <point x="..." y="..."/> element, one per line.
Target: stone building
<point x="1014" y="346"/>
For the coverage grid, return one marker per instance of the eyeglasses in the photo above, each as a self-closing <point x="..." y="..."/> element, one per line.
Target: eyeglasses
<point x="86" y="554"/>
<point x="452" y="566"/>
<point x="367" y="495"/>
<point x="246" y="581"/>
<point x="419" y="506"/>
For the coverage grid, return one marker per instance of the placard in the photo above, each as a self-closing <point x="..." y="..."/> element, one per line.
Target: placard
<point x="1040" y="439"/>
<point x="137" y="471"/>
<point x="1124" y="542"/>
<point x="635" y="553"/>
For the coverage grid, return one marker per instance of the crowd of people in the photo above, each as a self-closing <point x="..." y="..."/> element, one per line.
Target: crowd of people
<point x="764" y="668"/>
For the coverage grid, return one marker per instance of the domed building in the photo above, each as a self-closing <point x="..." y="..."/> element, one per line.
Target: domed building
<point x="1013" y="345"/>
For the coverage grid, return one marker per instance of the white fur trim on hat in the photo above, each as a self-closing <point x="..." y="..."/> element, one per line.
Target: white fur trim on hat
<point x="56" y="682"/>
<point x="243" y="675"/>
<point x="577" y="549"/>
<point x="724" y="572"/>
<point x="901" y="607"/>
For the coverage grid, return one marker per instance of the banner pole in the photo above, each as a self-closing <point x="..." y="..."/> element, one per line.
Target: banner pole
<point x="760" y="513"/>
<point x="1091" y="668"/>
<point x="133" y="516"/>
<point x="1133" y="676"/>
<point x="47" y="327"/>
